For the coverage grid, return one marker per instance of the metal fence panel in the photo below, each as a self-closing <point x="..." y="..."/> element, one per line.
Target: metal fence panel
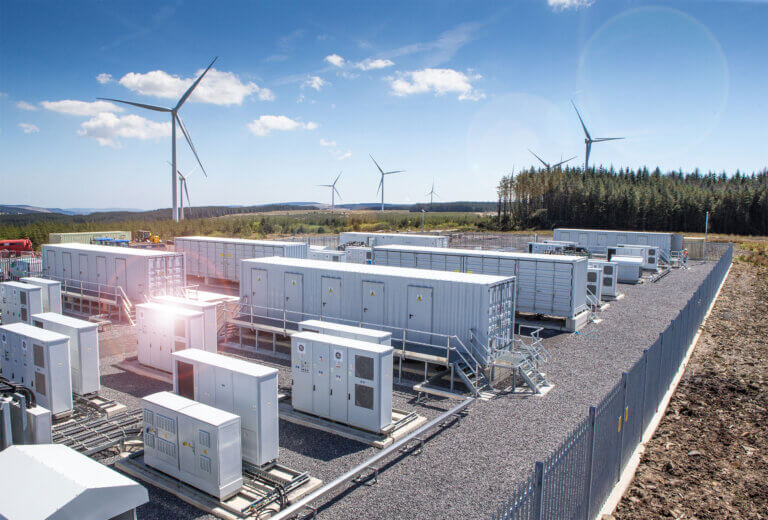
<point x="606" y="452"/>
<point x="565" y="475"/>
<point x="633" y="411"/>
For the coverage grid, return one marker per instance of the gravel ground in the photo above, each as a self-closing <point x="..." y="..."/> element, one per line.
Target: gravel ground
<point x="466" y="470"/>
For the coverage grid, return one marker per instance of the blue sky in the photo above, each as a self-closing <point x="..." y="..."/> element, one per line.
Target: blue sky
<point x="455" y="91"/>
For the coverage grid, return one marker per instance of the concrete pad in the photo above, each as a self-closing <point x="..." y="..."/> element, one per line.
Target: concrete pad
<point x="132" y="365"/>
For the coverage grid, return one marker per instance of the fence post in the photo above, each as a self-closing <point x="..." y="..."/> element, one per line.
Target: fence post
<point x="642" y="405"/>
<point x="590" y="461"/>
<point x="622" y="423"/>
<point x="538" y="494"/>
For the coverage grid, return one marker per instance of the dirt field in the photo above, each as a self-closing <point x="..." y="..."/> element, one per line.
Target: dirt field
<point x="709" y="457"/>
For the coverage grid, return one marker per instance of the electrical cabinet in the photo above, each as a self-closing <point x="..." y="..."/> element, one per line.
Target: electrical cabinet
<point x="342" y="379"/>
<point x="594" y="282"/>
<point x="329" y="255"/>
<point x="19" y="301"/>
<point x="38" y="359"/>
<point x="193" y="442"/>
<point x="609" y="278"/>
<point x="83" y="348"/>
<point x="359" y="255"/>
<point x="50" y="291"/>
<point x="649" y="254"/>
<point x="164" y="329"/>
<point x="209" y="309"/>
<point x="629" y="268"/>
<point x="234" y="385"/>
<point x="346" y="331"/>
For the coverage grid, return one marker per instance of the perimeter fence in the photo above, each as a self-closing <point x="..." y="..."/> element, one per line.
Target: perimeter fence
<point x="574" y="482"/>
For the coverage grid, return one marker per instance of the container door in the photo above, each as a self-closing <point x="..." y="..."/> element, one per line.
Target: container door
<point x="66" y="261"/>
<point x="294" y="297"/>
<point x="302" y="373"/>
<point x="363" y="406"/>
<point x="545" y="288"/>
<point x="338" y="384"/>
<point x="258" y="296"/>
<point x="331" y="297"/>
<point x="206" y="384"/>
<point x="83" y="266"/>
<point x="121" y="274"/>
<point x="321" y="380"/>
<point x="584" y="239"/>
<point x="187" y="444"/>
<point x="224" y="399"/>
<point x="101" y="270"/>
<point x="230" y="258"/>
<point x="185" y="379"/>
<point x="50" y="263"/>
<point x="419" y="310"/>
<point x="373" y="303"/>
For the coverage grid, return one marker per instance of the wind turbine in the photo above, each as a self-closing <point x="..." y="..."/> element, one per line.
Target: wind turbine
<point x="548" y="166"/>
<point x="174" y="118"/>
<point x="334" y="191"/>
<point x="588" y="140"/>
<point x="183" y="180"/>
<point x="432" y="193"/>
<point x="381" y="181"/>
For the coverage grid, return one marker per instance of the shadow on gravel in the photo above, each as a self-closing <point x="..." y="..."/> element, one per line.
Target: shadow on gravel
<point x="133" y="384"/>
<point x="316" y="444"/>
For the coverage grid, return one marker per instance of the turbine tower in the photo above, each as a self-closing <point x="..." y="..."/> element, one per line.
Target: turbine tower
<point x="588" y="140"/>
<point x="432" y="193"/>
<point x="381" y="181"/>
<point x="334" y="191"/>
<point x="174" y="118"/>
<point x="548" y="166"/>
<point x="183" y="181"/>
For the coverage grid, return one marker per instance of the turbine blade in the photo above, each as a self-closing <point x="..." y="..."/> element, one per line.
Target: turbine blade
<point x="563" y="162"/>
<point x="586" y="132"/>
<point x="586" y="158"/>
<point x="337" y="193"/>
<point x="395" y="171"/>
<point x="187" y="193"/>
<point x="140" y="105"/>
<point x="377" y="164"/>
<point x="539" y="158"/>
<point x="600" y="139"/>
<point x="381" y="182"/>
<point x="189" y="141"/>
<point x="191" y="88"/>
<point x="337" y="178"/>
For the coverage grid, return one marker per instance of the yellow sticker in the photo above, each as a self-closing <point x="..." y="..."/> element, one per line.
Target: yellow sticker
<point x="372" y="294"/>
<point x="293" y="283"/>
<point x="330" y="289"/>
<point x="418" y="298"/>
<point x="619" y="423"/>
<point x="259" y="279"/>
<point x="626" y="414"/>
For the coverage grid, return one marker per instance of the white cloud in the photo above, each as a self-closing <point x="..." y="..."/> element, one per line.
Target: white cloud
<point x="28" y="128"/>
<point x="106" y="128"/>
<point x="371" y="64"/>
<point x="315" y="82"/>
<point x="439" y="81"/>
<point x="323" y="142"/>
<point x="335" y="60"/>
<point x="265" y="125"/>
<point x="80" y="108"/>
<point x="560" y="5"/>
<point x="341" y="156"/>
<point x="104" y="78"/>
<point x="218" y="87"/>
<point x="300" y="99"/>
<point x="23" y="105"/>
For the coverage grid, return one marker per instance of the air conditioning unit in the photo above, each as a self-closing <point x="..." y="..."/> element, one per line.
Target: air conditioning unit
<point x="346" y="331"/>
<point x="595" y="282"/>
<point x="237" y="386"/>
<point x="193" y="442"/>
<point x="609" y="277"/>
<point x="165" y="329"/>
<point x="342" y="379"/>
<point x="50" y="290"/>
<point x="19" y="301"/>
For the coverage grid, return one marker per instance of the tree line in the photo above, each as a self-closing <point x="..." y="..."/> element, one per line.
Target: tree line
<point x="633" y="200"/>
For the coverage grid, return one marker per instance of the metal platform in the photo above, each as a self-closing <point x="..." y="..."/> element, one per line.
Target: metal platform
<point x="561" y="324"/>
<point x="132" y="365"/>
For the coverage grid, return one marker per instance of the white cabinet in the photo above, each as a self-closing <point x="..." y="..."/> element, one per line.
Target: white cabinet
<point x="209" y="309"/>
<point x="165" y="329"/>
<point x="50" y="292"/>
<point x="19" y="301"/>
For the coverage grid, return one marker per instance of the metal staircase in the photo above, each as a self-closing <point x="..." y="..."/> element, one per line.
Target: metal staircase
<point x="526" y="359"/>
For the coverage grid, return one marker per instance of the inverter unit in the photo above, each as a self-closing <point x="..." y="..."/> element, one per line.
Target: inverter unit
<point x="329" y="255"/>
<point x="359" y="255"/>
<point x="19" y="301"/>
<point x="39" y="360"/>
<point x="609" y="277"/>
<point x="234" y="385"/>
<point x="342" y="379"/>
<point x="209" y="310"/>
<point x="50" y="291"/>
<point x="346" y="331"/>
<point x="193" y="442"/>
<point x="650" y="254"/>
<point x="381" y="239"/>
<point x="595" y="282"/>
<point x="165" y="329"/>
<point x="83" y="348"/>
<point x="629" y="268"/>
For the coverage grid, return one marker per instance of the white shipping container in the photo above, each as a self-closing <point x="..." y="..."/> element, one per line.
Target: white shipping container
<point x="85" y="237"/>
<point x="346" y="331"/>
<point x="359" y="255"/>
<point x="209" y="310"/>
<point x="50" y="291"/>
<point x="609" y="277"/>
<point x="83" y="348"/>
<point x="630" y="268"/>
<point x="141" y="273"/>
<point x="219" y="258"/>
<point x="597" y="240"/>
<point x="342" y="379"/>
<point x="417" y="303"/>
<point x="551" y="285"/>
<point x="193" y="442"/>
<point x="381" y="239"/>
<point x="164" y="329"/>
<point x="19" y="301"/>
<point x="241" y="387"/>
<point x="39" y="360"/>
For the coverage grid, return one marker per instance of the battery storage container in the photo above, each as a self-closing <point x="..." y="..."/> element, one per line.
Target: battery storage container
<point x="342" y="379"/>
<point x="194" y="443"/>
<point x="598" y="240"/>
<point x="50" y="291"/>
<point x="164" y="329"/>
<point x="83" y="348"/>
<point x="346" y="331"/>
<point x="19" y="301"/>
<point x="209" y="310"/>
<point x="381" y="239"/>
<point x="218" y="257"/>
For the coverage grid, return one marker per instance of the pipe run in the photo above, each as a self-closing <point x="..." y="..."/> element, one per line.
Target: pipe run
<point x="357" y="470"/>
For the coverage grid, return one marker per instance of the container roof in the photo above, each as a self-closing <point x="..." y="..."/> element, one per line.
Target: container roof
<point x="34" y="280"/>
<point x="230" y="240"/>
<point x="34" y="332"/>
<point x="110" y="249"/>
<point x="482" y="252"/>
<point x="169" y="309"/>
<point x="22" y="285"/>
<point x="240" y="366"/>
<point x="178" y="300"/>
<point x="69" y="321"/>
<point x="375" y="234"/>
<point x="343" y="342"/>
<point x="382" y="270"/>
<point x="347" y="328"/>
<point x="616" y="231"/>
<point x="52" y="480"/>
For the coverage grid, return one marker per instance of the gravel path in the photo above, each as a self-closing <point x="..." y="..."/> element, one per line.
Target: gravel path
<point x="466" y="470"/>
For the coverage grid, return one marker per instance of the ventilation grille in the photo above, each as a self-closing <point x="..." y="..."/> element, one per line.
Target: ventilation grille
<point x="149" y="440"/>
<point x="592" y="276"/>
<point x="165" y="447"/>
<point x="166" y="423"/>
<point x="592" y="289"/>
<point x="149" y="417"/>
<point x="204" y="438"/>
<point x="205" y="464"/>
<point x="364" y="396"/>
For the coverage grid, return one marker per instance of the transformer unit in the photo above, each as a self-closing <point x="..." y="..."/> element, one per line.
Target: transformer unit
<point x="382" y="239"/>
<point x="609" y="278"/>
<point x="83" y="348"/>
<point x="50" y="291"/>
<point x="193" y="442"/>
<point x="594" y="282"/>
<point x="39" y="360"/>
<point x="218" y="257"/>
<point x="164" y="329"/>
<point x="359" y="255"/>
<point x="140" y="273"/>
<point x="346" y="331"/>
<point x="330" y="255"/>
<point x="209" y="310"/>
<point x="649" y="254"/>
<point x="19" y="301"/>
<point x="598" y="240"/>
<point x="234" y="385"/>
<point x="629" y="268"/>
<point x="342" y="379"/>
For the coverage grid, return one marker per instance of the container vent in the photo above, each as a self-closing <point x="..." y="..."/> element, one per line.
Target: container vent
<point x="40" y="383"/>
<point x="39" y="355"/>
<point x="364" y="396"/>
<point x="205" y="464"/>
<point x="204" y="438"/>
<point x="149" y="440"/>
<point x="149" y="417"/>
<point x="364" y="367"/>
<point x="165" y="447"/>
<point x="166" y="423"/>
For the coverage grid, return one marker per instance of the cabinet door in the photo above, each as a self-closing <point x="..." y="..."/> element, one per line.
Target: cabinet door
<point x="321" y="379"/>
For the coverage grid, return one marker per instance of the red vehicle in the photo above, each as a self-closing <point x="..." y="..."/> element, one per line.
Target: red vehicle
<point x="16" y="246"/>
